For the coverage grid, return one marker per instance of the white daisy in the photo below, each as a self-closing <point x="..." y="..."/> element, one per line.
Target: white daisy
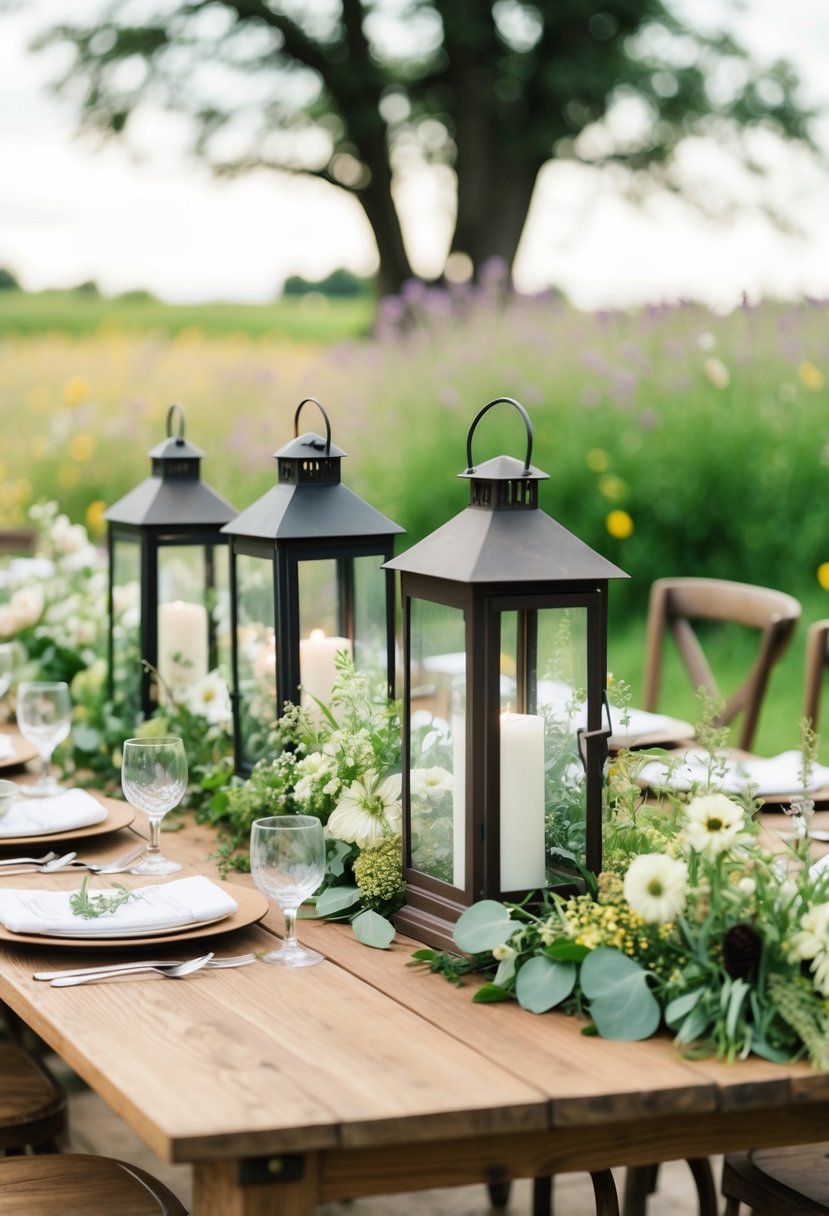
<point x="368" y="811"/>
<point x="714" y="824"/>
<point x="209" y="699"/>
<point x="431" y="782"/>
<point x="656" y="887"/>
<point x="811" y="941"/>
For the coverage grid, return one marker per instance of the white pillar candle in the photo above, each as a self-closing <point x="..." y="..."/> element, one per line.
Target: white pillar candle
<point x="522" y="802"/>
<point x="317" y="669"/>
<point x="182" y="643"/>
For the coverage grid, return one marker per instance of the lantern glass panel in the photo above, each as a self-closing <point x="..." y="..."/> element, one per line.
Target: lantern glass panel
<point x="192" y="613"/>
<point x="126" y="625"/>
<point x="437" y="729"/>
<point x="543" y="703"/>
<point x="370" y="637"/>
<point x="256" y="651"/>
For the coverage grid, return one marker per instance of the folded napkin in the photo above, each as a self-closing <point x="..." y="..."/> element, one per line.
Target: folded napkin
<point x="642" y="723"/>
<point x="777" y="775"/>
<point x="6" y="747"/>
<point x="43" y="816"/>
<point x="170" y="905"/>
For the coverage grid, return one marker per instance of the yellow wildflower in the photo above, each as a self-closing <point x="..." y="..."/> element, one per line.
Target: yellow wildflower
<point x="619" y="524"/>
<point x="81" y="447"/>
<point x="811" y="377"/>
<point x="823" y="575"/>
<point x="75" y="390"/>
<point x="597" y="460"/>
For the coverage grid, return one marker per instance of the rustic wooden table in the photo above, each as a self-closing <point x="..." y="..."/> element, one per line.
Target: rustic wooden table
<point x="363" y="1075"/>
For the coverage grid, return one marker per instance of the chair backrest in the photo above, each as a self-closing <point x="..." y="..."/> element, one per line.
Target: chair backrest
<point x="817" y="659"/>
<point x="17" y="542"/>
<point x="675" y="603"/>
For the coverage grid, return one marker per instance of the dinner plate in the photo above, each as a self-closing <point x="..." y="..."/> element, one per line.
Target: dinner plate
<point x="23" y="750"/>
<point x="119" y="815"/>
<point x="251" y="907"/>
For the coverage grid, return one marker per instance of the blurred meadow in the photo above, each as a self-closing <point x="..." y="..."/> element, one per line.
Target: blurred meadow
<point x="677" y="441"/>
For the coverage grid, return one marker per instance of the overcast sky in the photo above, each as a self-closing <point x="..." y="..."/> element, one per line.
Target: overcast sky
<point x="71" y="211"/>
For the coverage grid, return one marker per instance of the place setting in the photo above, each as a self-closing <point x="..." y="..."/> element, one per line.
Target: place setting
<point x="154" y="776"/>
<point x="44" y="810"/>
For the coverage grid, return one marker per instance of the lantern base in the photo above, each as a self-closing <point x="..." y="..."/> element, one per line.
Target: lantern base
<point x="427" y="927"/>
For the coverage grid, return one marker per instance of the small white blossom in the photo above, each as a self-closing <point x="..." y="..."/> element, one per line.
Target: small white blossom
<point x="209" y="699"/>
<point x="656" y="887"/>
<point x="431" y="782"/>
<point x="714" y="824"/>
<point x="368" y="811"/>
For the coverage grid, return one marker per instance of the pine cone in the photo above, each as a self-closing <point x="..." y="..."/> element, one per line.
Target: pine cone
<point x="741" y="950"/>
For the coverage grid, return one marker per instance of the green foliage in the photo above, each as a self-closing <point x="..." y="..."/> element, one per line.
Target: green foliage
<point x="339" y="283"/>
<point x="8" y="281"/>
<point x="91" y="906"/>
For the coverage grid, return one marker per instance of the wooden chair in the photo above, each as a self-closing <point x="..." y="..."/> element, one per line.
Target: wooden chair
<point x="778" y="1181"/>
<point x="677" y="603"/>
<point x="32" y="1103"/>
<point x="75" y="1184"/>
<point x="817" y="660"/>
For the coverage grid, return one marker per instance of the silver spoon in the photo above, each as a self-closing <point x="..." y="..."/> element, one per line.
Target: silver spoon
<point x="238" y="960"/>
<point x="35" y="861"/>
<point x="177" y="972"/>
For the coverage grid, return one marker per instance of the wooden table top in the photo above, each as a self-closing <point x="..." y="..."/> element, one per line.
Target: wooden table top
<point x="365" y="1052"/>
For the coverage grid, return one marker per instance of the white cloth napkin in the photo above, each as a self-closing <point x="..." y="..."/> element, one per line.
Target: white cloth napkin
<point x="42" y="816"/>
<point x="6" y="747"/>
<point x="170" y="905"/>
<point x="769" y="777"/>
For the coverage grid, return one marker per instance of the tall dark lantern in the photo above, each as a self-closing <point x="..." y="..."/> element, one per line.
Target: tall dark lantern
<point x="504" y="730"/>
<point x="168" y="577"/>
<point x="307" y="581"/>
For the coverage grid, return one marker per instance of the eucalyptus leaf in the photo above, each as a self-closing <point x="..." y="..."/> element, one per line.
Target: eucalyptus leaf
<point x="337" y="899"/>
<point x="566" y="951"/>
<point x="505" y="972"/>
<point x="489" y="994"/>
<point x="542" y="984"/>
<point x="621" y="1003"/>
<point x="372" y="929"/>
<point x="484" y="926"/>
<point x="681" y="1006"/>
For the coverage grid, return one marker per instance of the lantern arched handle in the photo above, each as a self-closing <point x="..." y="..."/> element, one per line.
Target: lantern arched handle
<point x="321" y="408"/>
<point x="470" y="466"/>
<point x="175" y="410"/>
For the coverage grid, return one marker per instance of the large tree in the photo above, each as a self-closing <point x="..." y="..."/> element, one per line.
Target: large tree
<point x="358" y="92"/>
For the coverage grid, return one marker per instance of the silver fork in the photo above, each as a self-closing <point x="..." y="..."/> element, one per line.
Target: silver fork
<point x="176" y="972"/>
<point x="113" y="867"/>
<point x="237" y="960"/>
<point x="22" y="861"/>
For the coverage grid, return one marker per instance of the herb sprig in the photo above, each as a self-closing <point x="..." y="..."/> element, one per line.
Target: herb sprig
<point x="90" y="906"/>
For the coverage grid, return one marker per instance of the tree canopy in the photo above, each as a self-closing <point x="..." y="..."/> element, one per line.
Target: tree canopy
<point x="359" y="93"/>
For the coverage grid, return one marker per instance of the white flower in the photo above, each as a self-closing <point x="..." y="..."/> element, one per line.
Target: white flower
<point x="431" y="782"/>
<point x="209" y="699"/>
<point x="656" y="887"/>
<point x="811" y="941"/>
<point x="714" y="824"/>
<point x="747" y="886"/>
<point x="716" y="371"/>
<point x="368" y="811"/>
<point x="500" y="953"/>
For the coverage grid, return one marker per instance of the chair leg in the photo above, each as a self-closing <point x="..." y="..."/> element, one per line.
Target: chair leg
<point x="542" y="1204"/>
<point x="703" y="1176"/>
<point x="499" y="1193"/>
<point x="640" y="1183"/>
<point x="604" y="1189"/>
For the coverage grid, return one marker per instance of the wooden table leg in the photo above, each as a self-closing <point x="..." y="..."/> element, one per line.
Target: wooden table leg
<point x="255" y="1188"/>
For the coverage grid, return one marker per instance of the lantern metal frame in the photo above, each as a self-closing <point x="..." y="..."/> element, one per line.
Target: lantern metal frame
<point x="308" y="516"/>
<point x="502" y="554"/>
<point x="171" y="508"/>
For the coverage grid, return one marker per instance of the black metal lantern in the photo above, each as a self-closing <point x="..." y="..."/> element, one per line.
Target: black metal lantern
<point x="504" y="735"/>
<point x="168" y="577"/>
<point x="307" y="581"/>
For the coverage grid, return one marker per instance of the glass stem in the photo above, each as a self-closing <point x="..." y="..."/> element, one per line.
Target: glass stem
<point x="290" y="928"/>
<point x="45" y="760"/>
<point x="153" y="847"/>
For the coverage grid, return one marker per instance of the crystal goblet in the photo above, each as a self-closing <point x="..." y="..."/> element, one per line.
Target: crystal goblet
<point x="44" y="717"/>
<point x="287" y="860"/>
<point x="154" y="778"/>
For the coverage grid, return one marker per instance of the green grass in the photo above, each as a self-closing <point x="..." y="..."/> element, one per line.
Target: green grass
<point x="78" y="313"/>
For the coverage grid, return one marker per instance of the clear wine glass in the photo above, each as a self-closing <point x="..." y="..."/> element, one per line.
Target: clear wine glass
<point x="287" y="860"/>
<point x="44" y="717"/>
<point x="154" y="778"/>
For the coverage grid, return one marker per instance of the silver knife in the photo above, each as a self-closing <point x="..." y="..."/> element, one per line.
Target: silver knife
<point x="239" y="960"/>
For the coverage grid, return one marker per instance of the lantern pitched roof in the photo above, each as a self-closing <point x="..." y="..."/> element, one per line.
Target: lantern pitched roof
<point x="479" y="546"/>
<point x="159" y="502"/>
<point x="308" y="511"/>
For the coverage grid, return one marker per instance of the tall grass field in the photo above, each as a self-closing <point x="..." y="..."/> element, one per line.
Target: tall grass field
<point x="677" y="441"/>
